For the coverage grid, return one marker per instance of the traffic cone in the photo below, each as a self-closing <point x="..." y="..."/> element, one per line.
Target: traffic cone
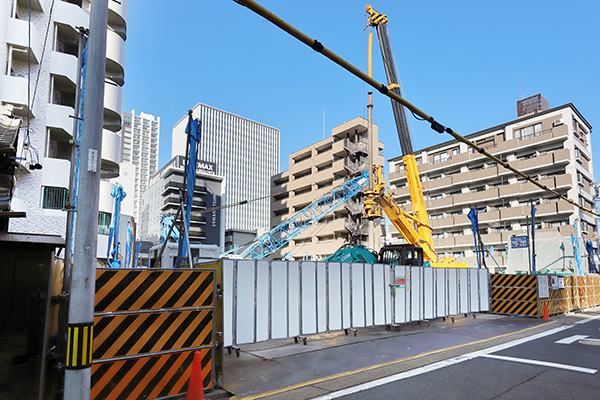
<point x="195" y="386"/>
<point x="546" y="316"/>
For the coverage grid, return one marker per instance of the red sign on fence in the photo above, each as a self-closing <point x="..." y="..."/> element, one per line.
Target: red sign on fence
<point x="400" y="281"/>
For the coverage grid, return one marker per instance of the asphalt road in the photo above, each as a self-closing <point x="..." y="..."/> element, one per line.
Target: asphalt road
<point x="561" y="363"/>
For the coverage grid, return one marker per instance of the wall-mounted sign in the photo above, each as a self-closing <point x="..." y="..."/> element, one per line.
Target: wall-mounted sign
<point x="518" y="242"/>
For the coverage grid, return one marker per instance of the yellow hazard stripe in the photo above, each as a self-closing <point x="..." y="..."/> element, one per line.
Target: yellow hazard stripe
<point x="79" y="345"/>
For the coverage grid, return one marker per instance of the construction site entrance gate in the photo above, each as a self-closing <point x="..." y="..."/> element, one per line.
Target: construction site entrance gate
<point x="148" y="323"/>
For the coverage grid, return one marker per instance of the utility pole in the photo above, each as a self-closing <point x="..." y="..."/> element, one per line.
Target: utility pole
<point x="83" y="278"/>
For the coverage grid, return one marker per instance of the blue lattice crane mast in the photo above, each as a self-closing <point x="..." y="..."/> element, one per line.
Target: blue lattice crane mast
<point x="302" y="220"/>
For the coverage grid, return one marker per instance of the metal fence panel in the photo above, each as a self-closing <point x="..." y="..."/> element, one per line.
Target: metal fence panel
<point x="474" y="289"/>
<point x="358" y="295"/>
<point x="309" y="298"/>
<point x="335" y="296"/>
<point x="346" y="297"/>
<point x="294" y="298"/>
<point x="322" y="297"/>
<point x="263" y="288"/>
<point x="369" y="310"/>
<point x="429" y="293"/>
<point x="401" y="301"/>
<point x="484" y="289"/>
<point x="416" y="288"/>
<point x="452" y="291"/>
<point x="279" y="300"/>
<point x="442" y="292"/>
<point x="380" y="290"/>
<point x="228" y="301"/>
<point x="245" y="304"/>
<point x="463" y="277"/>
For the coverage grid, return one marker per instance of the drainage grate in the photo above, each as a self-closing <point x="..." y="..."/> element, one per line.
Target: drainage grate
<point x="592" y="342"/>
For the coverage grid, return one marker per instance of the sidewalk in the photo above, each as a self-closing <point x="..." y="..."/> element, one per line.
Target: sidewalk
<point x="282" y="369"/>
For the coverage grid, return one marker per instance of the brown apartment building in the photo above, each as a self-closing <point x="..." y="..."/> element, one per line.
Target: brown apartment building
<point x="550" y="144"/>
<point x="314" y="171"/>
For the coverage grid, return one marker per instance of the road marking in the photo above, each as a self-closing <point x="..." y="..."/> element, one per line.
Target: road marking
<point x="571" y="339"/>
<point x="438" y="365"/>
<point x="583" y="321"/>
<point x="542" y="363"/>
<point x="378" y="366"/>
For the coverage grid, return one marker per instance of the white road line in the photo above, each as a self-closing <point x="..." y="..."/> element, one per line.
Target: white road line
<point x="584" y="321"/>
<point x="542" y="363"/>
<point x="438" y="365"/>
<point x="571" y="339"/>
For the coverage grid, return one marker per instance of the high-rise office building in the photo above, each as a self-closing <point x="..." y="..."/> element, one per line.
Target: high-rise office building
<point x="139" y="146"/>
<point x="551" y="145"/>
<point x="39" y="51"/>
<point x="247" y="153"/>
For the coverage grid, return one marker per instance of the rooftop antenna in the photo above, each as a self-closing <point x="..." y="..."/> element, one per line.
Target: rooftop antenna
<point x="521" y="87"/>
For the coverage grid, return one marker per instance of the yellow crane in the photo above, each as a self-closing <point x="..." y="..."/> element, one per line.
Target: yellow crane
<point x="415" y="227"/>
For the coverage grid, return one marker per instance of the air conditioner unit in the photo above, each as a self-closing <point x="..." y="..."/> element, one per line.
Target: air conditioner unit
<point x="558" y="122"/>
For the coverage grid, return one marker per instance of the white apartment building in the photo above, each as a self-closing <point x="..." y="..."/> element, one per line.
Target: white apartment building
<point x="140" y="139"/>
<point x="39" y="78"/>
<point x="247" y="153"/>
<point x="551" y="145"/>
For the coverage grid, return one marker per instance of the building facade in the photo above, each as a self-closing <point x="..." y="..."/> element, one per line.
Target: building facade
<point x="51" y="75"/>
<point x="140" y="139"/>
<point x="162" y="199"/>
<point x="550" y="145"/>
<point x="314" y="171"/>
<point x="247" y="153"/>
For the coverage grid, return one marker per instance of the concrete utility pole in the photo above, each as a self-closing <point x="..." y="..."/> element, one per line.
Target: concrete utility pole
<point x="83" y="279"/>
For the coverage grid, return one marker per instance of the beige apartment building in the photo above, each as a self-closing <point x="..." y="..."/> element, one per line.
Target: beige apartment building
<point x="314" y="171"/>
<point x="551" y="145"/>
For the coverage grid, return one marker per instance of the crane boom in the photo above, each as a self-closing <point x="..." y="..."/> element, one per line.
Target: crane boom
<point x="303" y="219"/>
<point x="379" y="21"/>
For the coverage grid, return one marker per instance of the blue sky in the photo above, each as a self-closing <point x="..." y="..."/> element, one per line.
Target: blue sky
<point x="459" y="61"/>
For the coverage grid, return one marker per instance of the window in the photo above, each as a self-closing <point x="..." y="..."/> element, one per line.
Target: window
<point x="54" y="198"/>
<point x="104" y="223"/>
<point x="438" y="158"/>
<point x="528" y="131"/>
<point x="578" y="155"/>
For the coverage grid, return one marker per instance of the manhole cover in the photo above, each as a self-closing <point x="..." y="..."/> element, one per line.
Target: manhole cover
<point x="593" y="342"/>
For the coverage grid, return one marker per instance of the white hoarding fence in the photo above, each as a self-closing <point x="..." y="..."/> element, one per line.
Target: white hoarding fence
<point x="265" y="300"/>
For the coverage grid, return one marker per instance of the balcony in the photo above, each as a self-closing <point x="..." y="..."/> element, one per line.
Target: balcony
<point x="14" y="91"/>
<point x="113" y="104"/>
<point x="56" y="172"/>
<point x="111" y="154"/>
<point x="70" y="14"/>
<point x="63" y="64"/>
<point x="117" y="15"/>
<point x="443" y="243"/>
<point x="563" y="181"/>
<point x="115" y="57"/>
<point x="440" y="223"/>
<point x="17" y="35"/>
<point x="59" y="117"/>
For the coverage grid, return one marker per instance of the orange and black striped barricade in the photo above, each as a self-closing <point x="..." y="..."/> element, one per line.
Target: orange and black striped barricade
<point x="147" y="325"/>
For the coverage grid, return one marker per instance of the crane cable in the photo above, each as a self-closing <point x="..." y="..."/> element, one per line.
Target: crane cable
<point x="383" y="89"/>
